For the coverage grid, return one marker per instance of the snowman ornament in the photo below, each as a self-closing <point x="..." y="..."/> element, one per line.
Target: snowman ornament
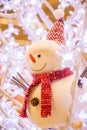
<point x="49" y="97"/>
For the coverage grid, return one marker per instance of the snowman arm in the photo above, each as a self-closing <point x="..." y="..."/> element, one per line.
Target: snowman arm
<point x="83" y="73"/>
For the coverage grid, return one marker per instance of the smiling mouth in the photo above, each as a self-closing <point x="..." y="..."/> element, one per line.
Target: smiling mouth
<point x="39" y="69"/>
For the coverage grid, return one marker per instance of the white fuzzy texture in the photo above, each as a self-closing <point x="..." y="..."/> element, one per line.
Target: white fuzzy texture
<point x="58" y="13"/>
<point x="47" y="49"/>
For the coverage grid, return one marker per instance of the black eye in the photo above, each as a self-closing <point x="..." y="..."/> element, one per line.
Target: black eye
<point x="38" y="55"/>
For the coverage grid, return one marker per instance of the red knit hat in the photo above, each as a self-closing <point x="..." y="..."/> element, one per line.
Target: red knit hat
<point x="56" y="33"/>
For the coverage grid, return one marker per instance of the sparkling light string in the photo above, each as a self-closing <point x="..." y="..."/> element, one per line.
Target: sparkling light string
<point x="12" y="57"/>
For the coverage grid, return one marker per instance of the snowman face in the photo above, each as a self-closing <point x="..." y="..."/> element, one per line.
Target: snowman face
<point x="42" y="60"/>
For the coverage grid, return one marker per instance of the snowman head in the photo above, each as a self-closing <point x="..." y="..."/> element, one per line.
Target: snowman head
<point x="42" y="57"/>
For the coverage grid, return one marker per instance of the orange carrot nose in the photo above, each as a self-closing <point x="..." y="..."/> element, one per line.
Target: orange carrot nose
<point x="32" y="58"/>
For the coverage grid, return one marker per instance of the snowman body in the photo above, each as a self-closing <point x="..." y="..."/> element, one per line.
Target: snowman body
<point x="41" y="58"/>
<point x="61" y="101"/>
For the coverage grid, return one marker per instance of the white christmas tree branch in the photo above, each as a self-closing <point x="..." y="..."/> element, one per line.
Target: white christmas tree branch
<point x="15" y="102"/>
<point x="49" y="6"/>
<point x="7" y="15"/>
<point x="85" y="20"/>
<point x="2" y="38"/>
<point x="4" y="112"/>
